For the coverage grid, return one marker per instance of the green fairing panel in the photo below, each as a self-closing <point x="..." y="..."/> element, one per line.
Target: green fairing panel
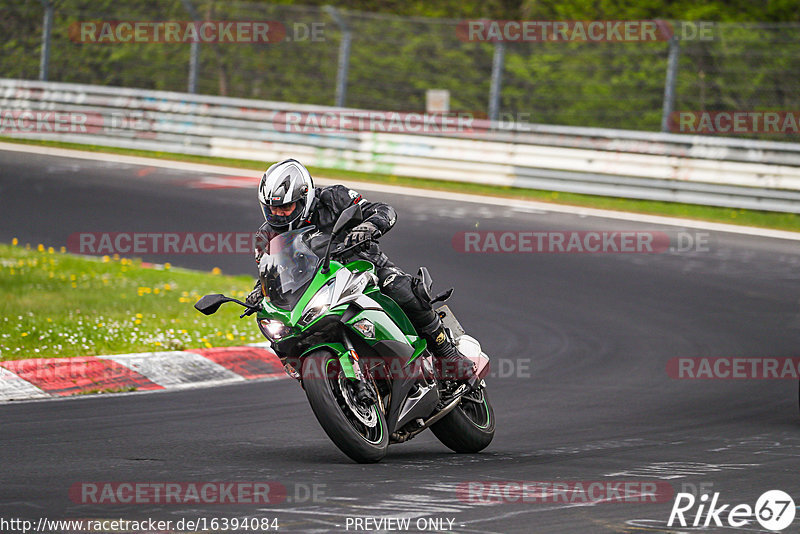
<point x="393" y="310"/>
<point x="385" y="327"/>
<point x="398" y="315"/>
<point x="361" y="266"/>
<point x="341" y="352"/>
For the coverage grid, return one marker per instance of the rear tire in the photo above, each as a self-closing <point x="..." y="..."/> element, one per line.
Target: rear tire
<point x="364" y="444"/>
<point x="469" y="428"/>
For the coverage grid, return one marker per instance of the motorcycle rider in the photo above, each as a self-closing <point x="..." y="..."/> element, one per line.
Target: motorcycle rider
<point x="290" y="201"/>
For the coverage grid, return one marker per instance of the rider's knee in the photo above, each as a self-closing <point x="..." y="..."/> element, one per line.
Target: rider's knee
<point x="402" y="288"/>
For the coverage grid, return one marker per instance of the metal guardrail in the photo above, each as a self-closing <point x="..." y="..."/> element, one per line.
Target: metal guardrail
<point x="739" y="173"/>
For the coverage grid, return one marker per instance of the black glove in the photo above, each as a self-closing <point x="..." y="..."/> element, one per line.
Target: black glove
<point x="361" y="235"/>
<point x="255" y="296"/>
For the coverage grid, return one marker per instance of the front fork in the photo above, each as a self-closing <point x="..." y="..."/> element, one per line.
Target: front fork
<point x="350" y="358"/>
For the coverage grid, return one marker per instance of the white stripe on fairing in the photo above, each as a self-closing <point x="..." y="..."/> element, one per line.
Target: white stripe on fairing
<point x="174" y="369"/>
<point x="545" y="207"/>
<point x="13" y="387"/>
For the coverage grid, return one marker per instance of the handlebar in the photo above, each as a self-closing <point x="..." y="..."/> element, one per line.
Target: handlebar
<point x="342" y="249"/>
<point x="250" y="311"/>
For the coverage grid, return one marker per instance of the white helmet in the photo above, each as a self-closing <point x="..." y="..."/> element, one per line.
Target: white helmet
<point x="286" y="182"/>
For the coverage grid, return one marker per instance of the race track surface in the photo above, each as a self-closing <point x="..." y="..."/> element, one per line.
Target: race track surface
<point x="583" y="341"/>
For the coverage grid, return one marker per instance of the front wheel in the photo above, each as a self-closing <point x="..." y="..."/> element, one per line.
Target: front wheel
<point x="359" y="431"/>
<point x="469" y="427"/>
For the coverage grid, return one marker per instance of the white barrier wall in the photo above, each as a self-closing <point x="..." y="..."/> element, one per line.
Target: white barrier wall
<point x="694" y="169"/>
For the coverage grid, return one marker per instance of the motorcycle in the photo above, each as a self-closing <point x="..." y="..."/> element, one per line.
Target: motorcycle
<point x="338" y="335"/>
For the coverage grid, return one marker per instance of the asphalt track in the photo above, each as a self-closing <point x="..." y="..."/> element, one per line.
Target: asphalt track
<point x="585" y="339"/>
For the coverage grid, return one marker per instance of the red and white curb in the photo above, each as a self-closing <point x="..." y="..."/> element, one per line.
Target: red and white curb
<point x="60" y="377"/>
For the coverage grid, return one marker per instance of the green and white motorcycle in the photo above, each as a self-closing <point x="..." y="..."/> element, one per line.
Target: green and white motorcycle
<point x="336" y="333"/>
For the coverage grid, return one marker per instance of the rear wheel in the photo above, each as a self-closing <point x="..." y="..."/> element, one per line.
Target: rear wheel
<point x="469" y="427"/>
<point x="358" y="430"/>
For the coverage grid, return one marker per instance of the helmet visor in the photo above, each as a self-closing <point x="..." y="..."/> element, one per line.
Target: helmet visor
<point x="278" y="221"/>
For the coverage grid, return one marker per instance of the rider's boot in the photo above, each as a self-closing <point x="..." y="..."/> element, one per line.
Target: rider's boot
<point x="448" y="361"/>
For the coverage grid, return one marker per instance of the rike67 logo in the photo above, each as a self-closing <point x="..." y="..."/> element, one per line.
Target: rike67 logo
<point x="774" y="510"/>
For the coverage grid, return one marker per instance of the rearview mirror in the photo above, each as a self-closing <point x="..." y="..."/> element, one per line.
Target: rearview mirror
<point x="349" y="218"/>
<point x="210" y="303"/>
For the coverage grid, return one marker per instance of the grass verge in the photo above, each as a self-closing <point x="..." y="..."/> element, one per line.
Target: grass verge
<point x="55" y="304"/>
<point x="763" y="219"/>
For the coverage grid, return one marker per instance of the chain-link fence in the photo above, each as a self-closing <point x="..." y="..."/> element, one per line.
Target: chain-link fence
<point x="329" y="56"/>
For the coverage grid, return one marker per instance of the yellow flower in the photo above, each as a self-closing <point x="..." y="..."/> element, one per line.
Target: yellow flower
<point x="24" y="334"/>
<point x="50" y="250"/>
<point x="167" y="265"/>
<point x="73" y="277"/>
<point x="63" y="250"/>
<point x="156" y="291"/>
<point x="216" y="270"/>
<point x="167" y="287"/>
<point x="138" y="315"/>
<point x="99" y="325"/>
<point x="207" y="345"/>
<point x="40" y="248"/>
<point x="106" y="259"/>
<point x="15" y="241"/>
<point x="49" y="320"/>
<point x="229" y="335"/>
<point x="137" y="321"/>
<point x="116" y="257"/>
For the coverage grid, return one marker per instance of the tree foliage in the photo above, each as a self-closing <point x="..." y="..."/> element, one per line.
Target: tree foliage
<point x="400" y="49"/>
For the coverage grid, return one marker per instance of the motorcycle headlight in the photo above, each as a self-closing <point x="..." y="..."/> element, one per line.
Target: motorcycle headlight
<point x="272" y="329"/>
<point x="318" y="304"/>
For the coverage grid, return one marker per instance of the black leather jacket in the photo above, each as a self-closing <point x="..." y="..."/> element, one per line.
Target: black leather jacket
<point x="329" y="202"/>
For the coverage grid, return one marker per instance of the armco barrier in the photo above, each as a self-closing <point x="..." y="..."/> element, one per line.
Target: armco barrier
<point x="718" y="171"/>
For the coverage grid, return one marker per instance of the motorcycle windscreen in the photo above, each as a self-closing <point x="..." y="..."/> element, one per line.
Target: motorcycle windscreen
<point x="287" y="268"/>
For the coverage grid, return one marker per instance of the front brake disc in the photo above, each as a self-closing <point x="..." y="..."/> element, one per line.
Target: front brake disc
<point x="365" y="414"/>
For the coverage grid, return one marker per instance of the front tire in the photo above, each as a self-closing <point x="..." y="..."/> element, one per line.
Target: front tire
<point x="322" y="380"/>
<point x="469" y="428"/>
